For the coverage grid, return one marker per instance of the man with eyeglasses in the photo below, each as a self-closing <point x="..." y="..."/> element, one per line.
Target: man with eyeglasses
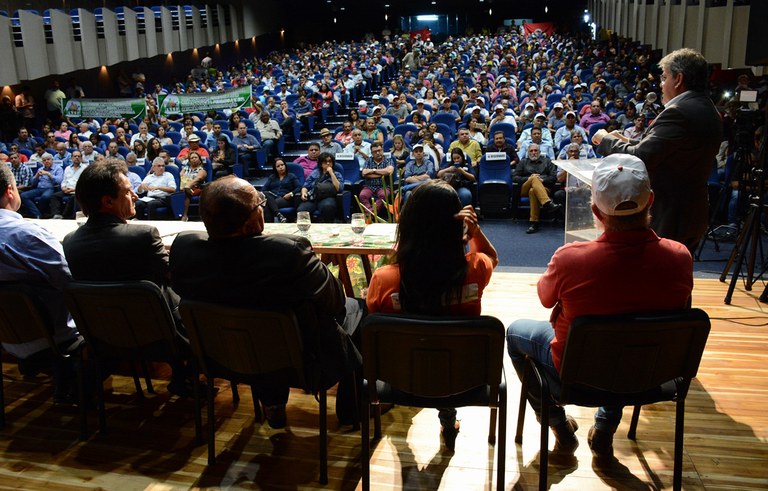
<point x="158" y="185"/>
<point x="107" y="248"/>
<point x="536" y="175"/>
<point x="294" y="278"/>
<point x="678" y="148"/>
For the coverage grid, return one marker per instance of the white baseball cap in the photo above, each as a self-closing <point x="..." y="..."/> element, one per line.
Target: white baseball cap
<point x="620" y="185"/>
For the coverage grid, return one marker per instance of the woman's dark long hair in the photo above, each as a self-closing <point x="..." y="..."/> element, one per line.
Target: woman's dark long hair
<point x="430" y="250"/>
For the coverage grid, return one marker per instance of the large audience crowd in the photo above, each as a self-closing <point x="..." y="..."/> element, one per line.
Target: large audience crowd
<point x="435" y="109"/>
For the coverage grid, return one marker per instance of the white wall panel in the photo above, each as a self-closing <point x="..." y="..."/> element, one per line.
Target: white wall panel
<point x="35" y="52"/>
<point x="132" y="51"/>
<point x="8" y="71"/>
<point x="151" y="35"/>
<point x="89" y="44"/>
<point x="61" y="27"/>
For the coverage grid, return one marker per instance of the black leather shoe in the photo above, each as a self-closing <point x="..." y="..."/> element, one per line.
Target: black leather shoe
<point x="601" y="442"/>
<point x="550" y="208"/>
<point x="449" y="434"/>
<point x="276" y="416"/>
<point x="533" y="228"/>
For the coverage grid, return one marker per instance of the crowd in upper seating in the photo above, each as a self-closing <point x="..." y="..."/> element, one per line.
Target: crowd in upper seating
<point x="506" y="93"/>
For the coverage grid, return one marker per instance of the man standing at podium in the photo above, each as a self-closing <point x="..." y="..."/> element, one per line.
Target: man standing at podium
<point x="678" y="148"/>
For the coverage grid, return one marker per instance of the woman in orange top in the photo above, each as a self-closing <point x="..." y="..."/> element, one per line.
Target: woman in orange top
<point x="431" y="274"/>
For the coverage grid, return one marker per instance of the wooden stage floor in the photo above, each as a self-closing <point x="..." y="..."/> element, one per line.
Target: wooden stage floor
<point x="150" y="444"/>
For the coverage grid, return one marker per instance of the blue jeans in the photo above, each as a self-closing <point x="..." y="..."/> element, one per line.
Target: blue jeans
<point x="28" y="199"/>
<point x="533" y="338"/>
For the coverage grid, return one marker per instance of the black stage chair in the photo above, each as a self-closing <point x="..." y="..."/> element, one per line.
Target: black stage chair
<point x="433" y="362"/>
<point x="23" y="318"/>
<point x="249" y="346"/>
<point x="123" y="320"/>
<point x="624" y="360"/>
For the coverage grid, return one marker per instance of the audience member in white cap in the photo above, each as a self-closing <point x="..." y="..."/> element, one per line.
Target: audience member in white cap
<point x="602" y="276"/>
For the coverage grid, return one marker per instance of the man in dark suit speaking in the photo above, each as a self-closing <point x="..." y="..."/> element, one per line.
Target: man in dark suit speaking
<point x="678" y="148"/>
<point x="234" y="264"/>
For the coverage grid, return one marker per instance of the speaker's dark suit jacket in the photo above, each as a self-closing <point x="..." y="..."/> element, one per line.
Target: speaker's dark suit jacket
<point x="678" y="149"/>
<point x="269" y="272"/>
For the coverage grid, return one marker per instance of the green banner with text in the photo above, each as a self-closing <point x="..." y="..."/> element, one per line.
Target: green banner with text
<point x="105" y="108"/>
<point x="236" y="98"/>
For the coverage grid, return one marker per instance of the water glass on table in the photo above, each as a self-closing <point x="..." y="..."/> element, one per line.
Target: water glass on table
<point x="303" y="222"/>
<point x="358" y="226"/>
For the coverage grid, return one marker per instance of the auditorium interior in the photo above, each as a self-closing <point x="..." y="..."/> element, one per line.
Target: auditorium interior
<point x="109" y="50"/>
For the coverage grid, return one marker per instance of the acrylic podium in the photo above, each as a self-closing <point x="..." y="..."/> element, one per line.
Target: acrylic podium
<point x="580" y="223"/>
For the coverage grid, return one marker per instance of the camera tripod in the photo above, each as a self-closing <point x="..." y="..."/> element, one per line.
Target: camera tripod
<point x="749" y="242"/>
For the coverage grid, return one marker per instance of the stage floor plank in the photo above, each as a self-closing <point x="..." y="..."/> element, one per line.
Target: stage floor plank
<point x="150" y="444"/>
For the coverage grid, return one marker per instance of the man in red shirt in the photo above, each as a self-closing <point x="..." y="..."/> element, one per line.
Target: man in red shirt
<point x="599" y="277"/>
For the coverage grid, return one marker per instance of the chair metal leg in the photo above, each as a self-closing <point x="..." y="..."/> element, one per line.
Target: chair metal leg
<point x="521" y="407"/>
<point x="366" y="443"/>
<point x="377" y="421"/>
<point x="677" y="479"/>
<point x="492" y="427"/>
<point x="136" y="381"/>
<point x="501" y="448"/>
<point x="323" y="437"/>
<point x="544" y="450"/>
<point x="211" y="426"/>
<point x="81" y="397"/>
<point x="257" y="413"/>
<point x="198" y="416"/>
<point x="632" y="433"/>
<point x="2" y="398"/>
<point x="147" y="378"/>
<point x="235" y="393"/>
<point x="100" y="397"/>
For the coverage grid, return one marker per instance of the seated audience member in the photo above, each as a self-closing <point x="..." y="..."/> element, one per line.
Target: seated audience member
<point x="418" y="170"/>
<point x="564" y="132"/>
<point x="23" y="174"/>
<point x="33" y="256"/>
<point x="320" y="189"/>
<point x="158" y="185"/>
<point x="360" y="148"/>
<point x="270" y="133"/>
<point x="371" y="132"/>
<point x="499" y="144"/>
<point x="192" y="177"/>
<point x="536" y="138"/>
<point x="308" y="162"/>
<point x="304" y="110"/>
<point x="400" y="153"/>
<point x="223" y="158"/>
<point x="635" y="132"/>
<point x="281" y="190"/>
<point x="44" y="183"/>
<point x="294" y="278"/>
<point x="211" y="141"/>
<point x="585" y="149"/>
<point x="596" y="115"/>
<point x="24" y="140"/>
<point x="467" y="146"/>
<point x="430" y="274"/>
<point x="106" y="248"/>
<point x="621" y="201"/>
<point x="344" y="137"/>
<point x="376" y="167"/>
<point x="247" y="145"/>
<point x="194" y="146"/>
<point x="284" y="115"/>
<point x="536" y="174"/>
<point x="327" y="143"/>
<point x="460" y="174"/>
<point x="68" y="183"/>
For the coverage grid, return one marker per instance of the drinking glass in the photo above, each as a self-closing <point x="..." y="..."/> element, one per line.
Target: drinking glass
<point x="358" y="226"/>
<point x="303" y="222"/>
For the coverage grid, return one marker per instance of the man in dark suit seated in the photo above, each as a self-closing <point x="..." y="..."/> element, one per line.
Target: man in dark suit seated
<point x="107" y="248"/>
<point x="234" y="264"/>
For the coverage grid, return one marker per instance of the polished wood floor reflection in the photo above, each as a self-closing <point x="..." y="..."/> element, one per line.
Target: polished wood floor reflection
<point x="150" y="443"/>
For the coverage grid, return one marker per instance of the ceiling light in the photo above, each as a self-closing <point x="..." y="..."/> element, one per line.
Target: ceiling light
<point x="426" y="17"/>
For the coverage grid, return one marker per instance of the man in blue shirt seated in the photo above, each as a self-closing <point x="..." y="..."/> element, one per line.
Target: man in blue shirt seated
<point x="44" y="184"/>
